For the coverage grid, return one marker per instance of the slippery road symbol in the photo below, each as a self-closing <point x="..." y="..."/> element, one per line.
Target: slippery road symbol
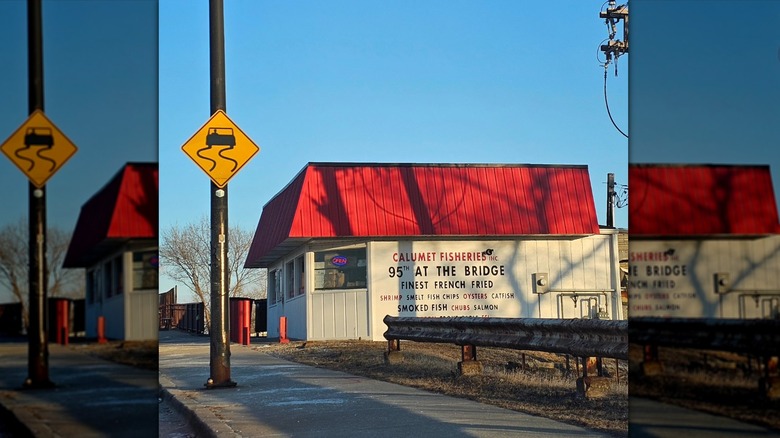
<point x="37" y="137"/>
<point x="219" y="137"/>
<point x="38" y="148"/>
<point x="220" y="148"/>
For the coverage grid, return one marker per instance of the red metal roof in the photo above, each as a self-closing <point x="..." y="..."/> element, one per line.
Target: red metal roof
<point x="701" y="200"/>
<point x="124" y="209"/>
<point x="331" y="200"/>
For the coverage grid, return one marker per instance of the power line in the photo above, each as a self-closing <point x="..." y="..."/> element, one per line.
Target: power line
<point x="606" y="102"/>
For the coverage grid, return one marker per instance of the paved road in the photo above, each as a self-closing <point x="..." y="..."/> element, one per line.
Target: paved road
<point x="93" y="397"/>
<point x="651" y="419"/>
<point x="277" y="398"/>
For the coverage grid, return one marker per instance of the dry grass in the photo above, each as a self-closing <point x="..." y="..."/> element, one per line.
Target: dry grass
<point x="710" y="381"/>
<point x="139" y="354"/>
<point x="544" y="387"/>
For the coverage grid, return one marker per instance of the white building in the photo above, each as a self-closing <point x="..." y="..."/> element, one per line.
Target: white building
<point x="705" y="242"/>
<point x="346" y="244"/>
<point x="115" y="240"/>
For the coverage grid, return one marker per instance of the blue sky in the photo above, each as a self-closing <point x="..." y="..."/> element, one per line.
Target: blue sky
<point x="100" y="90"/>
<point x="349" y="81"/>
<point x="371" y="81"/>
<point x="366" y="81"/>
<point x="706" y="88"/>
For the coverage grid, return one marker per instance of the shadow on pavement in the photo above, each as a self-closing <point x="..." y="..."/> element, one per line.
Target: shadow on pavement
<point x="92" y="396"/>
<point x="277" y="397"/>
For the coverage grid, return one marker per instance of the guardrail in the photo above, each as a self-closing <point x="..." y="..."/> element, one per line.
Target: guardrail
<point x="750" y="336"/>
<point x="577" y="337"/>
<point x="753" y="337"/>
<point x="585" y="338"/>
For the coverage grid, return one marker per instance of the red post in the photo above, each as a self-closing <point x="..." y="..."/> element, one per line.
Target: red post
<point x="283" y="330"/>
<point x="240" y="319"/>
<point x="101" y="330"/>
<point x="246" y="320"/>
<point x="63" y="315"/>
<point x="233" y="321"/>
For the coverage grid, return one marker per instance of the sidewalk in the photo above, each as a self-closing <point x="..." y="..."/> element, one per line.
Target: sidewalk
<point x="652" y="419"/>
<point x="93" y="397"/>
<point x="277" y="398"/>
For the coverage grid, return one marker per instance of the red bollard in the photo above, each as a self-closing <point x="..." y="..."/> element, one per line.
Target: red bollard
<point x="101" y="330"/>
<point x="62" y="309"/>
<point x="245" y="320"/>
<point x="283" y="330"/>
<point x="240" y="320"/>
<point x="233" y="320"/>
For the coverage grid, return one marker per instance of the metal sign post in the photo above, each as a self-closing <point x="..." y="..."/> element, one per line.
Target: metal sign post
<point x="220" y="149"/>
<point x="39" y="149"/>
<point x="219" y="360"/>
<point x="38" y="348"/>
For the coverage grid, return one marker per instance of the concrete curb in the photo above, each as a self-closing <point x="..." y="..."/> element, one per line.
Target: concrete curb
<point x="25" y="416"/>
<point x="17" y="418"/>
<point x="200" y="418"/>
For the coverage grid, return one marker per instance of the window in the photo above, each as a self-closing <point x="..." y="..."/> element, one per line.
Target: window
<point x="279" y="287"/>
<point x="300" y="275"/>
<point x="119" y="280"/>
<point x="273" y="286"/>
<point x="340" y="269"/>
<point x="145" y="265"/>
<point x="290" y="276"/>
<point x="107" y="277"/>
<point x="296" y="277"/>
<point x="91" y="280"/>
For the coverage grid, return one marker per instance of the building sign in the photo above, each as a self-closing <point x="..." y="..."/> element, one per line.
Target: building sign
<point x="678" y="278"/>
<point x="660" y="280"/>
<point x="445" y="279"/>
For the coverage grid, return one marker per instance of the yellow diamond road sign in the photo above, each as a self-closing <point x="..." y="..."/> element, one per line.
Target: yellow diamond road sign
<point x="220" y="148"/>
<point x="38" y="148"/>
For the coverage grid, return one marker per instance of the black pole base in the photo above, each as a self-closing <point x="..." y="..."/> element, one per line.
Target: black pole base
<point x="38" y="384"/>
<point x="210" y="384"/>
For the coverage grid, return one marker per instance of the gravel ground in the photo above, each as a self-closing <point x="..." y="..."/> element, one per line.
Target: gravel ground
<point x="141" y="354"/>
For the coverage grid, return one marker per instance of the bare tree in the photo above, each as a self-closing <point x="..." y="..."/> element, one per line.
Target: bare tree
<point x="249" y="283"/>
<point x="63" y="282"/>
<point x="185" y="255"/>
<point x="14" y="264"/>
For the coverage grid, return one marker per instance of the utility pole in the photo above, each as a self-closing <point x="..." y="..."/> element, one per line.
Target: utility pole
<point x="219" y="361"/>
<point x="614" y="48"/>
<point x="38" y="348"/>
<point x="610" y="200"/>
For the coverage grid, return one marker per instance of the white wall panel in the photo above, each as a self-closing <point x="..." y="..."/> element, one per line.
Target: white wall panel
<point x="676" y="278"/>
<point x="339" y="315"/>
<point x="295" y="311"/>
<point x="114" y="313"/>
<point x="142" y="321"/>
